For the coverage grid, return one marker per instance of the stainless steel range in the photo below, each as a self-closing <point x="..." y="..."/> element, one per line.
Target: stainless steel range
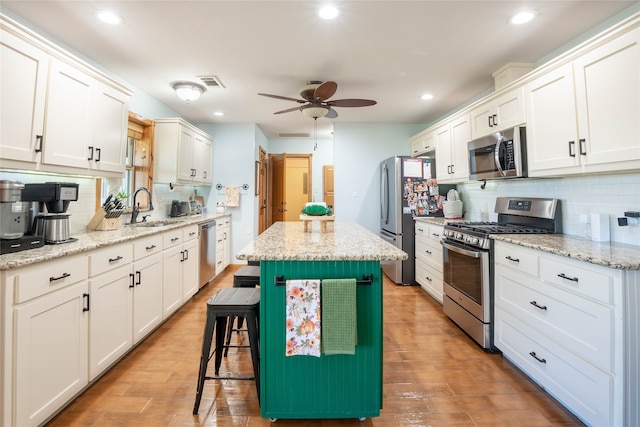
<point x="468" y="260"/>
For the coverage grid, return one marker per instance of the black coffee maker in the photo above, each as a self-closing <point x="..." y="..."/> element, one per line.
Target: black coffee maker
<point x="49" y="209"/>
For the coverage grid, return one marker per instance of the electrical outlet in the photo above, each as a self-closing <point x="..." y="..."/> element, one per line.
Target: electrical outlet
<point x="584" y="218"/>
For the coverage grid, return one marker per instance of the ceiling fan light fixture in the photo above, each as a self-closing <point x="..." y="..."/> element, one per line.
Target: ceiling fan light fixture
<point x="314" y="111"/>
<point x="188" y="91"/>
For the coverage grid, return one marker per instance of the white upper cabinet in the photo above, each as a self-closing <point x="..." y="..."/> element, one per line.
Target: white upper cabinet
<point x="422" y="143"/>
<point x="584" y="116"/>
<point x="452" y="164"/>
<point x="183" y="153"/>
<point x="23" y="78"/>
<point x="58" y="113"/>
<point x="498" y="113"/>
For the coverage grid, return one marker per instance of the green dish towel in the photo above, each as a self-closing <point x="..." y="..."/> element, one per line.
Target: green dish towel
<point x="339" y="321"/>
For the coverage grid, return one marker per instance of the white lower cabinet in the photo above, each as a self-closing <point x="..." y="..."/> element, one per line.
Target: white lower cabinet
<point x="561" y="321"/>
<point x="428" y="252"/>
<point x="67" y="320"/>
<point x="223" y="244"/>
<point x="180" y="268"/>
<point x="45" y="338"/>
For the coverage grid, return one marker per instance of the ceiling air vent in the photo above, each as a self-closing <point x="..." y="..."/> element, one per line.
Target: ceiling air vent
<point x="211" y="81"/>
<point x="293" y="134"/>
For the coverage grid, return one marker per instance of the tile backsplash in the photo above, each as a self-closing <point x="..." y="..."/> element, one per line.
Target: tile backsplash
<point x="607" y="195"/>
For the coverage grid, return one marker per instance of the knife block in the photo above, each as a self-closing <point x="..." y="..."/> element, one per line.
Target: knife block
<point x="100" y="223"/>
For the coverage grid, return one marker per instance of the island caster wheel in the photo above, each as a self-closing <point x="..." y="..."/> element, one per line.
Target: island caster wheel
<point x="362" y="419"/>
<point x="273" y="420"/>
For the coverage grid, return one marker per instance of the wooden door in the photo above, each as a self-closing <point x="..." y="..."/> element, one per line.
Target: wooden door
<point x="297" y="185"/>
<point x="327" y="177"/>
<point x="277" y="205"/>
<point x="262" y="190"/>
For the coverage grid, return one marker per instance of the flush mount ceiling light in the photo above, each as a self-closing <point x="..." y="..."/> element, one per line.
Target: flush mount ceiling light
<point x="109" y="17"/>
<point x="426" y="96"/>
<point x="523" y="17"/>
<point x="314" y="111"/>
<point x="188" y="91"/>
<point x="328" y="12"/>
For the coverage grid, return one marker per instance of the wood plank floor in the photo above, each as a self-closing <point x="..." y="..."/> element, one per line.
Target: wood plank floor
<point x="434" y="375"/>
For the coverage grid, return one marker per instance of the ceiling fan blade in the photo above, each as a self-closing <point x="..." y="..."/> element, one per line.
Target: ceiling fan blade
<point x="332" y="114"/>
<point x="286" y="98"/>
<point x="325" y="91"/>
<point x="351" y="102"/>
<point x="288" y="110"/>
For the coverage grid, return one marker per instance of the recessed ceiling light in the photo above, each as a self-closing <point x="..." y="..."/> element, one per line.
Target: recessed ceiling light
<point x="109" y="17"/>
<point x="328" y="12"/>
<point x="218" y="113"/>
<point x="427" y="96"/>
<point x="523" y="17"/>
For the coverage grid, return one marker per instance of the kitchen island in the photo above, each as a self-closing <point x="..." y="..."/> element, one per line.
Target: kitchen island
<point x="329" y="386"/>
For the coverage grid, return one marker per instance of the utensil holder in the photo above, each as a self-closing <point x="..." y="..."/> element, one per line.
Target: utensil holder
<point x="100" y="223"/>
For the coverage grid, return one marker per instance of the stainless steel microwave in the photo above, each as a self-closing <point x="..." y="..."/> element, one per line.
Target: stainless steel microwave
<point x="499" y="155"/>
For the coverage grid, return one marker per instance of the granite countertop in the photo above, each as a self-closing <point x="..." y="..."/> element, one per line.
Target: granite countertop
<point x="96" y="239"/>
<point x="612" y="255"/>
<point x="341" y="242"/>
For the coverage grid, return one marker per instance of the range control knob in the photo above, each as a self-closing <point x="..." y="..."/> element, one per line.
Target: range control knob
<point x="474" y="241"/>
<point x="459" y="236"/>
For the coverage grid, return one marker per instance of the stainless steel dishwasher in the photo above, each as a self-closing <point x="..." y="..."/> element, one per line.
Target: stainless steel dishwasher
<point x="207" y="233"/>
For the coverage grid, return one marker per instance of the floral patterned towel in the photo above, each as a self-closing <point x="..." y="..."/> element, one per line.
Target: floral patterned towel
<point x="303" y="317"/>
<point x="232" y="196"/>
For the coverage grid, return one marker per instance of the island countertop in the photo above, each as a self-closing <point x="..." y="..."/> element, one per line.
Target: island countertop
<point x="341" y="242"/>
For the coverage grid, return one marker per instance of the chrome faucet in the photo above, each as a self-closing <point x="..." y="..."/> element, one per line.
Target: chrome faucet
<point x="135" y="209"/>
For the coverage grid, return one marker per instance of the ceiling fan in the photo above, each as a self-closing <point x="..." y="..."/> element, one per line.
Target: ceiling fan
<point x="315" y="95"/>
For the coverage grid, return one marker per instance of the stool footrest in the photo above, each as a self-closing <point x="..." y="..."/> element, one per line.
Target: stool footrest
<point x="230" y="378"/>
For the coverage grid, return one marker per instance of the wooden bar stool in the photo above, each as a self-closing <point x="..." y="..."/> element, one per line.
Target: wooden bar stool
<point x="229" y="302"/>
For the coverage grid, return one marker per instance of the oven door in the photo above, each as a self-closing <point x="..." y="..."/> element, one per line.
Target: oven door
<point x="466" y="278"/>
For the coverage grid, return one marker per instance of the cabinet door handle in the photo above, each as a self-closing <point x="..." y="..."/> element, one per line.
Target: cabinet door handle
<point x="88" y="302"/>
<point x="490" y="125"/>
<point x="90" y="155"/>
<point x="512" y="259"/>
<point x="495" y="120"/>
<point x="98" y="151"/>
<point x="118" y="258"/>
<point x="204" y="174"/>
<point x="182" y="256"/>
<point x="131" y="276"/>
<point x="139" y="277"/>
<point x="38" y="143"/>
<point x="536" y="305"/>
<point x="64" y="276"/>
<point x="583" y="146"/>
<point x="538" y="358"/>
<point x="150" y="247"/>
<point x="564" y="276"/>
<point x="452" y="170"/>
<point x="186" y="252"/>
<point x="572" y="152"/>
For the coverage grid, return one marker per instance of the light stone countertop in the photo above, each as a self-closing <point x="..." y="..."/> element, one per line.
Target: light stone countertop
<point x="341" y="242"/>
<point x="612" y="255"/>
<point x="96" y="239"/>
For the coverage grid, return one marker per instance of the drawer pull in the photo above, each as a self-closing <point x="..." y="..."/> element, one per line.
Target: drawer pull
<point x="175" y="239"/>
<point x="429" y="252"/>
<point x="512" y="259"/>
<point x="118" y="258"/>
<point x="64" y="276"/>
<point x="435" y="234"/>
<point x="420" y="230"/>
<point x="535" y="356"/>
<point x="428" y="278"/>
<point x="536" y="305"/>
<point x="564" y="276"/>
<point x="150" y="247"/>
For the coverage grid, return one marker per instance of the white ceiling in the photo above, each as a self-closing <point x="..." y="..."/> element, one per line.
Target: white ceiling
<point x="389" y="51"/>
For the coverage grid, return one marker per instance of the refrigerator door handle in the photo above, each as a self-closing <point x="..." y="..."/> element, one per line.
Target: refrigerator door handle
<point x="384" y="196"/>
<point x="388" y="236"/>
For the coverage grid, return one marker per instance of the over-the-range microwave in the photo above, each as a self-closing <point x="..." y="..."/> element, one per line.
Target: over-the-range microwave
<point x="499" y="155"/>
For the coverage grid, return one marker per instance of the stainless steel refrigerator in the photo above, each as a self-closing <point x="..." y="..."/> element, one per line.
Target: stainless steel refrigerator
<point x="405" y="193"/>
